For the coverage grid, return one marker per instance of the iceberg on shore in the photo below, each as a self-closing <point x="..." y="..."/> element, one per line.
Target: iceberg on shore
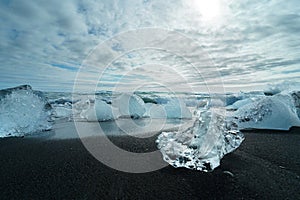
<point x="278" y="112"/>
<point x="296" y="98"/>
<point x="62" y="112"/>
<point x="155" y="111"/>
<point x="216" y="131"/>
<point x="23" y="111"/>
<point x="173" y="109"/>
<point x="99" y="111"/>
<point x="129" y="105"/>
<point x="177" y="109"/>
<point x="202" y="146"/>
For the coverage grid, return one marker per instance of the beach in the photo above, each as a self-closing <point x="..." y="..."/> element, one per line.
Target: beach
<point x="265" y="166"/>
<point x="150" y="99"/>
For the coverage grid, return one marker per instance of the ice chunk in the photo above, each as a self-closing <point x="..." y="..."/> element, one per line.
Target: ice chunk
<point x="214" y="102"/>
<point x="191" y="102"/>
<point x="8" y="91"/>
<point x="161" y="100"/>
<point x="231" y="99"/>
<point x="201" y="146"/>
<point x="155" y="111"/>
<point x="177" y="109"/>
<point x="62" y="112"/>
<point x="174" y="109"/>
<point x="129" y="105"/>
<point x="149" y="100"/>
<point x="99" y="111"/>
<point x="296" y="97"/>
<point x="241" y="103"/>
<point x="80" y="106"/>
<point x="23" y="111"/>
<point x="271" y="112"/>
<point x="62" y="101"/>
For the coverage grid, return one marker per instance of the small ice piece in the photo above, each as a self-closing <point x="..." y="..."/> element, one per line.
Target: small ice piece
<point x="99" y="111"/>
<point x="129" y="105"/>
<point x="296" y="98"/>
<point x="62" y="112"/>
<point x="202" y="146"/>
<point x="229" y="173"/>
<point x="80" y="106"/>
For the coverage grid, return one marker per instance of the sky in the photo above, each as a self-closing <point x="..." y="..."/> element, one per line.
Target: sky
<point x="228" y="45"/>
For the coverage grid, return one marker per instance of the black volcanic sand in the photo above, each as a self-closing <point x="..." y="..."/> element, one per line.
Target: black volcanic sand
<point x="266" y="166"/>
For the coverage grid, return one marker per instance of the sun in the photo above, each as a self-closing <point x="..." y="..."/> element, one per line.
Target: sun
<point x="208" y="9"/>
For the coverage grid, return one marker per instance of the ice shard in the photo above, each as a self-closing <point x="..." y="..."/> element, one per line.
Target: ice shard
<point x="202" y="146"/>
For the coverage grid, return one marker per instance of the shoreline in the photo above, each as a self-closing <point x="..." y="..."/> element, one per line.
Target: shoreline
<point x="265" y="166"/>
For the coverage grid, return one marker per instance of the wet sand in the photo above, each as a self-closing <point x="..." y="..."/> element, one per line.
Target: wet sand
<point x="266" y="166"/>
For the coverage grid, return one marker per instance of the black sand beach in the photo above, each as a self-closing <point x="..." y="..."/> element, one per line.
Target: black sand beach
<point x="266" y="166"/>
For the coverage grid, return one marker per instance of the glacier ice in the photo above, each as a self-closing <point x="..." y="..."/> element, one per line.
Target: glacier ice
<point x="240" y="103"/>
<point x="129" y="105"/>
<point x="215" y="134"/>
<point x="231" y="99"/>
<point x="214" y="102"/>
<point x="62" y="112"/>
<point x="23" y="111"/>
<point x="155" y="111"/>
<point x="201" y="146"/>
<point x="296" y="98"/>
<point x="176" y="108"/>
<point x="270" y="112"/>
<point x="173" y="109"/>
<point x="99" y="111"/>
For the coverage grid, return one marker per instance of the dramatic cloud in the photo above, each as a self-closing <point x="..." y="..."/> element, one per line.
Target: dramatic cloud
<point x="251" y="42"/>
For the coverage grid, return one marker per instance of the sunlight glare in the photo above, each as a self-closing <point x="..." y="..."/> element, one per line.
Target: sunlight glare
<point x="209" y="9"/>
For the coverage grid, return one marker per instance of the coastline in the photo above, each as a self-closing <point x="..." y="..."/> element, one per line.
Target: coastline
<point x="265" y="166"/>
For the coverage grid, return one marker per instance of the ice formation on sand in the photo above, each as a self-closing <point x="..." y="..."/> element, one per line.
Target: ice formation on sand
<point x="296" y="98"/>
<point x="215" y="134"/>
<point x="203" y="145"/>
<point x="173" y="109"/>
<point x="270" y="112"/>
<point x="177" y="109"/>
<point x="155" y="111"/>
<point x="130" y="105"/>
<point x="99" y="111"/>
<point x="23" y="111"/>
<point x="62" y="112"/>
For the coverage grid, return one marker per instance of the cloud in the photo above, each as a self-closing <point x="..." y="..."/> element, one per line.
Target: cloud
<point x="43" y="43"/>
